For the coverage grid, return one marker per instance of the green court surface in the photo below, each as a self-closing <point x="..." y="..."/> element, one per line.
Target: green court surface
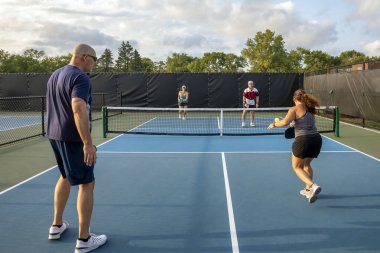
<point x="25" y="159"/>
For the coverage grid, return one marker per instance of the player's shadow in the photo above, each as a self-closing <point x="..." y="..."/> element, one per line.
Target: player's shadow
<point x="357" y="238"/>
<point x="362" y="237"/>
<point x="361" y="201"/>
<point x="332" y="196"/>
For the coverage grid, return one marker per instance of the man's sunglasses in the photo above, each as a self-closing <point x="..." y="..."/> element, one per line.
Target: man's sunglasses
<point x="93" y="57"/>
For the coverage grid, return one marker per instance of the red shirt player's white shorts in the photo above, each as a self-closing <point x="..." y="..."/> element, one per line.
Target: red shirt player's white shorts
<point x="250" y="96"/>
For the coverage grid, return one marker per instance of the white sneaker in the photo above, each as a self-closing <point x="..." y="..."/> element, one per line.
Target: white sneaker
<point x="179" y="116"/>
<point x="304" y="192"/>
<point x="313" y="192"/>
<point x="252" y="124"/>
<point x="243" y="124"/>
<point x="56" y="232"/>
<point x="183" y="118"/>
<point x="94" y="242"/>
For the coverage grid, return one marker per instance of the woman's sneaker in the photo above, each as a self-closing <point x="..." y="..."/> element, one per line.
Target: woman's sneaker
<point x="304" y="192"/>
<point x="94" y="242"/>
<point x="56" y="232"/>
<point x="313" y="192"/>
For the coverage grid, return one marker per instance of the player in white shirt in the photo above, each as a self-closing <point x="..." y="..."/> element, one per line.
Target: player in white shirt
<point x="250" y="100"/>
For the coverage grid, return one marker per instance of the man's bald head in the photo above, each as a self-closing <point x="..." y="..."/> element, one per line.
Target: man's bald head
<point x="84" y="57"/>
<point x="83" y="49"/>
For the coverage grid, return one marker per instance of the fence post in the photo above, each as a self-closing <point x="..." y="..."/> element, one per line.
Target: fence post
<point x="221" y="122"/>
<point x="104" y="121"/>
<point x="337" y="134"/>
<point x="43" y="115"/>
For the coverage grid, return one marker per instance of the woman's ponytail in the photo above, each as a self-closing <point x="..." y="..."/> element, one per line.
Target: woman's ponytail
<point x="310" y="102"/>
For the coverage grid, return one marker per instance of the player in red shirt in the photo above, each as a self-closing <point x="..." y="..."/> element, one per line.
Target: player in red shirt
<point x="250" y="100"/>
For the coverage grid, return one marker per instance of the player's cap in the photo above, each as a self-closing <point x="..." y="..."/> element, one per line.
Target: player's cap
<point x="184" y="86"/>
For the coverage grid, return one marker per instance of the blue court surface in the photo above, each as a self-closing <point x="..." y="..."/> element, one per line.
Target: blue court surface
<point x="14" y="122"/>
<point x="206" y="194"/>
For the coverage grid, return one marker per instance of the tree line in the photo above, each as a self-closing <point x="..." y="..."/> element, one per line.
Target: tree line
<point x="265" y="52"/>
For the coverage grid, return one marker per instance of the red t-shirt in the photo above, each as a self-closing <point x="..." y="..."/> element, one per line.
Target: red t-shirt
<point x="250" y="95"/>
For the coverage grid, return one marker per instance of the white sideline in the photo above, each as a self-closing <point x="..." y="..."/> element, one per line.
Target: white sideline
<point x="356" y="150"/>
<point x="43" y="172"/>
<point x="231" y="217"/>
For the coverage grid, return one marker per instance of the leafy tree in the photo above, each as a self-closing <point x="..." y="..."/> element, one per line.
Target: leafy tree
<point x="147" y="64"/>
<point x="105" y="62"/>
<point x="29" y="61"/>
<point x="266" y="52"/>
<point x="374" y="58"/>
<point x="4" y="60"/>
<point x="50" y="64"/>
<point x="159" y="66"/>
<point x="221" y="62"/>
<point x="136" y="65"/>
<point x="197" y="65"/>
<point x="178" y="63"/>
<point x="319" y="60"/>
<point x="124" y="59"/>
<point x="351" y="57"/>
<point x="218" y="62"/>
<point x="296" y="59"/>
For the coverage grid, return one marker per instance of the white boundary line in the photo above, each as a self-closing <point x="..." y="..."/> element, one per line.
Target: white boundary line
<point x="45" y="171"/>
<point x="27" y="180"/>
<point x="21" y="116"/>
<point x="214" y="152"/>
<point x="13" y="128"/>
<point x="352" y="148"/>
<point x="231" y="218"/>
<point x="142" y="124"/>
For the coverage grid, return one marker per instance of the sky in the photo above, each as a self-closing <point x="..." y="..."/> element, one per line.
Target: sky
<point x="159" y="28"/>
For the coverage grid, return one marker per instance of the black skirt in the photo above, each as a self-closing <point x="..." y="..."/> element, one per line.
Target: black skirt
<point x="307" y="146"/>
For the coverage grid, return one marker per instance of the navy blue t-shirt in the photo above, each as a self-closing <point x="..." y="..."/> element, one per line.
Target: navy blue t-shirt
<point x="64" y="84"/>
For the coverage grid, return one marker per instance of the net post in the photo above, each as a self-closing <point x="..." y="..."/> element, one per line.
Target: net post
<point x="104" y="121"/>
<point x="221" y="122"/>
<point x="43" y="115"/>
<point x="337" y="122"/>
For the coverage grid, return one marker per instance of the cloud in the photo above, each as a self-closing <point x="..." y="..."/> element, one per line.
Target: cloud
<point x="53" y="36"/>
<point x="283" y="19"/>
<point x="311" y="35"/>
<point x="156" y="28"/>
<point x="367" y="11"/>
<point x="372" y="48"/>
<point x="366" y="8"/>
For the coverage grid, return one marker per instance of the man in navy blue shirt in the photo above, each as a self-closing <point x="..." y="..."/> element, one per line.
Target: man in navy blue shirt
<point x="69" y="131"/>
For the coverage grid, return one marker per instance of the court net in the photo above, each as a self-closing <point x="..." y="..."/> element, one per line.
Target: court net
<point x="204" y="121"/>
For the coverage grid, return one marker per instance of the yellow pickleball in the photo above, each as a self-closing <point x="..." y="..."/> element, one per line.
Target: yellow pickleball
<point x="276" y="120"/>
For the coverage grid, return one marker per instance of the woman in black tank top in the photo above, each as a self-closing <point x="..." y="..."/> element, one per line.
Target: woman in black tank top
<point x="308" y="142"/>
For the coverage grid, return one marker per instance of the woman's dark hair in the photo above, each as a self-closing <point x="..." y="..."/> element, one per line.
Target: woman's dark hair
<point x="309" y="100"/>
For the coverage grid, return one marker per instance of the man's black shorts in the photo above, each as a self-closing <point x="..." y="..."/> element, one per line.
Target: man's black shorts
<point x="307" y="146"/>
<point x="70" y="160"/>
